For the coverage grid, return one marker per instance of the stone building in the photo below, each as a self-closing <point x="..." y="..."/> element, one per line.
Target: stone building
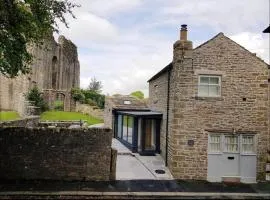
<point x="215" y="106"/>
<point x="55" y="70"/>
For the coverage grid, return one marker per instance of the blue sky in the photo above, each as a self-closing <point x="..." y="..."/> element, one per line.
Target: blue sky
<point x="123" y="43"/>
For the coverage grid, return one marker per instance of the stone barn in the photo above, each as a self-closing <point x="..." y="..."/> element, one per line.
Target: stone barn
<point x="55" y="70"/>
<point x="214" y="101"/>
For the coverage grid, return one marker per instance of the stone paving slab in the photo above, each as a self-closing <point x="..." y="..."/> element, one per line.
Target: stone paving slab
<point x="133" y="166"/>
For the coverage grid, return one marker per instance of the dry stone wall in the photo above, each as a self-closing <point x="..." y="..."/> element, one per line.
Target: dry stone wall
<point x="55" y="154"/>
<point x="89" y="110"/>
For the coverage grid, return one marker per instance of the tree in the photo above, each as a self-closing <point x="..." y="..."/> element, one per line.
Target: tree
<point x="26" y="22"/>
<point x="137" y="94"/>
<point x="35" y="96"/>
<point x="95" y="85"/>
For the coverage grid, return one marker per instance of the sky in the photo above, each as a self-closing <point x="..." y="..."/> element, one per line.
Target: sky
<point x="123" y="43"/>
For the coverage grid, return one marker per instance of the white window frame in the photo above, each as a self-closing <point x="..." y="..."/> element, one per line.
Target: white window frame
<point x="209" y="144"/>
<point x="127" y="102"/>
<point x="240" y="144"/>
<point x="208" y="84"/>
<point x="254" y="144"/>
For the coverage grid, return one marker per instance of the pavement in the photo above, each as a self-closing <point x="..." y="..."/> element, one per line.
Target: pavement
<point x="132" y="166"/>
<point x="157" y="189"/>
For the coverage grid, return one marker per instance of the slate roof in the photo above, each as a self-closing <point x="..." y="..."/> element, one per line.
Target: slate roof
<point x="267" y="30"/>
<point x="135" y="104"/>
<point x="165" y="69"/>
<point x="141" y="113"/>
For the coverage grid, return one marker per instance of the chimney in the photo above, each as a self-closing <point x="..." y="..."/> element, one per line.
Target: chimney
<point x="183" y="32"/>
<point x="183" y="46"/>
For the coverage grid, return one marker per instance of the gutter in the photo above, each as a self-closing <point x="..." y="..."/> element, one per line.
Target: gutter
<point x="167" y="120"/>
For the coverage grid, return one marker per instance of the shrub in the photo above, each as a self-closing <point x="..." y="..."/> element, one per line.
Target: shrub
<point x="90" y="102"/>
<point x="77" y="95"/>
<point x="59" y="105"/>
<point x="35" y="96"/>
<point x="99" y="99"/>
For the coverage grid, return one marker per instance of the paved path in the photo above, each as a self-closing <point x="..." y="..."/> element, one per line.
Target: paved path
<point x="132" y="166"/>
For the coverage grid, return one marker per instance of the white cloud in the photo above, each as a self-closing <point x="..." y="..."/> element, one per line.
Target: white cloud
<point x="107" y="8"/>
<point x="255" y="43"/>
<point x="124" y="58"/>
<point x="87" y="28"/>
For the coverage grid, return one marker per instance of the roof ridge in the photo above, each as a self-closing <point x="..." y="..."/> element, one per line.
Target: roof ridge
<point x="207" y="41"/>
<point x="222" y="34"/>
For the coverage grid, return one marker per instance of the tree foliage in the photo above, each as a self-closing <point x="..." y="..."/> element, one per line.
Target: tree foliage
<point x="24" y="22"/>
<point x="77" y="95"/>
<point x="35" y="96"/>
<point x="138" y="94"/>
<point x="88" y="97"/>
<point x="95" y="85"/>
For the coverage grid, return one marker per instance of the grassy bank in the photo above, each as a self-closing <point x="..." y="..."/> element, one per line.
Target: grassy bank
<point x="8" y="115"/>
<point x="61" y="115"/>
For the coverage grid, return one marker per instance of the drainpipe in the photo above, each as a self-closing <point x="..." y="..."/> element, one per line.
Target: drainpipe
<point x="167" y="121"/>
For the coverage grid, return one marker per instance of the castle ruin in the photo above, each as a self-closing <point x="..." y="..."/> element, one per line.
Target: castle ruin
<point x="55" y="70"/>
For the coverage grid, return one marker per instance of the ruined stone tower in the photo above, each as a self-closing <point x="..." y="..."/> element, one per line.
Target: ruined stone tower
<point x="55" y="70"/>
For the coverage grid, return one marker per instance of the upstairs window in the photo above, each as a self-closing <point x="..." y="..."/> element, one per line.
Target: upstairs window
<point x="209" y="86"/>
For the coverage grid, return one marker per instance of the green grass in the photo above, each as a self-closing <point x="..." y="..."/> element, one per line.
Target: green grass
<point x="8" y="115"/>
<point x="61" y="115"/>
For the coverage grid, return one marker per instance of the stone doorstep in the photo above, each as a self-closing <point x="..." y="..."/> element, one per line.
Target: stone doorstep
<point x="134" y="194"/>
<point x="231" y="179"/>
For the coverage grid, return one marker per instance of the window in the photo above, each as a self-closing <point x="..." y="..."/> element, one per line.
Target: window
<point x="248" y="144"/>
<point x="214" y="143"/>
<point x="126" y="102"/>
<point x="231" y="143"/>
<point x="209" y="86"/>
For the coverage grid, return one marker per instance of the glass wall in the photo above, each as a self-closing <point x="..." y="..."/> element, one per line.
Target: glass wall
<point x="119" y="126"/>
<point x="127" y="128"/>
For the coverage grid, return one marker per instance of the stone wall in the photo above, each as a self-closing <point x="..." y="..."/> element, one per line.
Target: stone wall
<point x="243" y="105"/>
<point x="12" y="93"/>
<point x="55" y="154"/>
<point x="89" y="110"/>
<point x="31" y="121"/>
<point x="158" y="92"/>
<point x="108" y="116"/>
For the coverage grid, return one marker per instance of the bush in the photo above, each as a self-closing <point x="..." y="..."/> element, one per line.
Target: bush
<point x="35" y="96"/>
<point x="77" y="95"/>
<point x="90" y="102"/>
<point x="59" y="105"/>
<point x="99" y="99"/>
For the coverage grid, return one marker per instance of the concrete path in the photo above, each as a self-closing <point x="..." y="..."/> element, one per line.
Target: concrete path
<point x="132" y="166"/>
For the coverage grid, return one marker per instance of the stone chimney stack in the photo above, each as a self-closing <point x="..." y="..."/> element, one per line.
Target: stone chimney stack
<point x="183" y="32"/>
<point x="182" y="48"/>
